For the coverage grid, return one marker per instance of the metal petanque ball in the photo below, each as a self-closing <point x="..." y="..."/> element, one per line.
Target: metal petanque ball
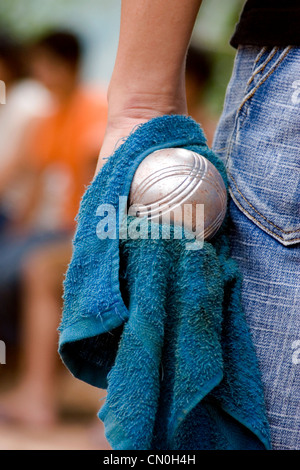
<point x="168" y="180"/>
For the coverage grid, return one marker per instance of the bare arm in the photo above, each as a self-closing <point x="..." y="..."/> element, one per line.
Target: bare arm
<point x="148" y="77"/>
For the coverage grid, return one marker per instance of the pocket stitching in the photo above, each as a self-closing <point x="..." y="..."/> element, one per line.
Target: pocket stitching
<point x="264" y="64"/>
<point x="277" y="63"/>
<point x="250" y="94"/>
<point x="231" y="143"/>
<point x="267" y="220"/>
<point x="259" y="223"/>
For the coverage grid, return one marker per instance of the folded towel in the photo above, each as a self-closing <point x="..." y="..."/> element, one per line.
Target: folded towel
<point x="160" y="326"/>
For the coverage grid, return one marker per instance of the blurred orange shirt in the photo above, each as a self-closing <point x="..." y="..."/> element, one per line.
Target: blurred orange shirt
<point x="69" y="139"/>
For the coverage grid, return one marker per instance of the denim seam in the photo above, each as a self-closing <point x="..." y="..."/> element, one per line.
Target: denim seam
<point x="267" y="220"/>
<point x="262" y="67"/>
<point x="237" y="119"/>
<point x="230" y="143"/>
<point x="260" y="54"/>
<point x="230" y="140"/>
<point x="277" y="63"/>
<point x="257" y="222"/>
<point x="222" y="149"/>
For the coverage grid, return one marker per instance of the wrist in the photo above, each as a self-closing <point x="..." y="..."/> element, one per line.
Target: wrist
<point x="132" y="103"/>
<point x="144" y="106"/>
<point x="147" y="96"/>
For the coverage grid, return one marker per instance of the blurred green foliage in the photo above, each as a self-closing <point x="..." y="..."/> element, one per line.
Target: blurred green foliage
<point x="214" y="27"/>
<point x="31" y="17"/>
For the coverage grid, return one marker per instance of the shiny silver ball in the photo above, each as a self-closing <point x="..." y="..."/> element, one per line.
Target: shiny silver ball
<point x="171" y="180"/>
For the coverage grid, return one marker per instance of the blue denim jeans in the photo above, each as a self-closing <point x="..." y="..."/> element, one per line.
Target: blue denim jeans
<point x="258" y="138"/>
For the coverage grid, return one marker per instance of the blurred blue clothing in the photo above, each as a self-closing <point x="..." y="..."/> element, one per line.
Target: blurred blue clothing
<point x="15" y="247"/>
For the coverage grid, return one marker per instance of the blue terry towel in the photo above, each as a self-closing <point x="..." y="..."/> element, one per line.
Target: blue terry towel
<point x="158" y="325"/>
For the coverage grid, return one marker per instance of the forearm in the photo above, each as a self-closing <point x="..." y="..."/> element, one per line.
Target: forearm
<point x="148" y="79"/>
<point x="150" y="62"/>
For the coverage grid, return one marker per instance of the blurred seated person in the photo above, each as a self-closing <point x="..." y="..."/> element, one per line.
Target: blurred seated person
<point x="61" y="153"/>
<point x="25" y="100"/>
<point x="197" y="77"/>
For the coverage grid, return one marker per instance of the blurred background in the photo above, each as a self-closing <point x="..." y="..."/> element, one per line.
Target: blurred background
<point x="56" y="59"/>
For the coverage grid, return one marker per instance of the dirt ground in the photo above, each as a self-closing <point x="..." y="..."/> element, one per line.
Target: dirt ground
<point x="78" y="427"/>
<point x="64" y="436"/>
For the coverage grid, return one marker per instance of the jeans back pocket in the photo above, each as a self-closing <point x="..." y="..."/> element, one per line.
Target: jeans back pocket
<point x="263" y="151"/>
